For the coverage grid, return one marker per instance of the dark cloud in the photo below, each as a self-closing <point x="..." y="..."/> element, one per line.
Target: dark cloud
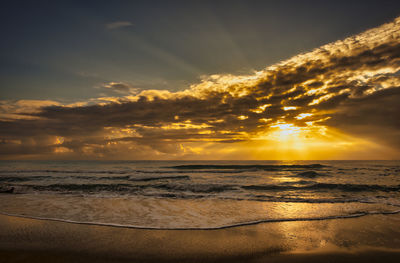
<point x="375" y="116"/>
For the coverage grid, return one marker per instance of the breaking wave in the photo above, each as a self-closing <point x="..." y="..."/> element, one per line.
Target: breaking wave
<point x="325" y="186"/>
<point x="247" y="223"/>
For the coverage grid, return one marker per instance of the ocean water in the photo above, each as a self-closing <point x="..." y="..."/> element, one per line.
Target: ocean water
<point x="197" y="194"/>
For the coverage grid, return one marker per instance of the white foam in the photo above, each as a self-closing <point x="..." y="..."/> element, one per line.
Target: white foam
<point x="158" y="213"/>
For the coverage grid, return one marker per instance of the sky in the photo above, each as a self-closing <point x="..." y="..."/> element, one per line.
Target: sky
<point x="260" y="80"/>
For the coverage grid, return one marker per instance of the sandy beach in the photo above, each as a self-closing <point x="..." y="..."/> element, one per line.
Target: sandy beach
<point x="374" y="238"/>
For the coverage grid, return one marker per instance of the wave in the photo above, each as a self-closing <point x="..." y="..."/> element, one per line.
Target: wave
<point x="146" y="179"/>
<point x="247" y="167"/>
<point x="66" y="171"/>
<point x="247" y="223"/>
<point x="132" y="188"/>
<point x="325" y="186"/>
<point x="210" y="188"/>
<point x="95" y="178"/>
<point x="186" y="171"/>
<point x="310" y="174"/>
<point x="126" y="177"/>
<point x="180" y="191"/>
<point x="197" y="188"/>
<point x="134" y="171"/>
<point x="22" y="179"/>
<point x="44" y="177"/>
<point x="265" y="198"/>
<point x="85" y="187"/>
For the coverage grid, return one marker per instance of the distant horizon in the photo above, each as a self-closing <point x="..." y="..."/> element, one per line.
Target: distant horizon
<point x="197" y="160"/>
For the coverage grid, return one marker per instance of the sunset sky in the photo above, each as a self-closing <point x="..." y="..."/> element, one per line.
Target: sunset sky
<point x="262" y="80"/>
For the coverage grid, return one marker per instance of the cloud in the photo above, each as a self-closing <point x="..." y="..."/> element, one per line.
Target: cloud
<point x="118" y="24"/>
<point x="343" y="99"/>
<point x="119" y="87"/>
<point x="10" y="109"/>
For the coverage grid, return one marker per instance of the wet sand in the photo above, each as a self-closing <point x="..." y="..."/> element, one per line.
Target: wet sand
<point x="374" y="238"/>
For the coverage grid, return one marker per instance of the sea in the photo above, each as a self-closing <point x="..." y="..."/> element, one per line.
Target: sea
<point x="197" y="194"/>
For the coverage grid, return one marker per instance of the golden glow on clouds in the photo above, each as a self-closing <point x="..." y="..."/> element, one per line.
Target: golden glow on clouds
<point x="61" y="150"/>
<point x="296" y="109"/>
<point x="289" y="108"/>
<point x="261" y="108"/>
<point x="285" y="131"/>
<point x="16" y="109"/>
<point x="303" y="115"/>
<point x="184" y="125"/>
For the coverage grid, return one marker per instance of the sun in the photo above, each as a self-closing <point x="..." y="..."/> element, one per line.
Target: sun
<point x="285" y="141"/>
<point x="285" y="131"/>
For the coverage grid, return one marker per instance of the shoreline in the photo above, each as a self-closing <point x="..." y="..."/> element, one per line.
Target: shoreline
<point x="373" y="238"/>
<point x="251" y="223"/>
